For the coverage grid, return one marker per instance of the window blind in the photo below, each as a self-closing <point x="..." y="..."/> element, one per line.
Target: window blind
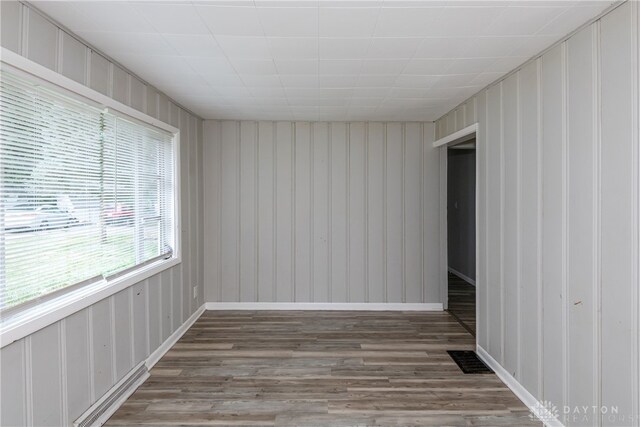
<point x="84" y="193"/>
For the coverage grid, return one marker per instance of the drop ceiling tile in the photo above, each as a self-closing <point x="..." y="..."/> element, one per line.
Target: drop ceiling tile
<point x="222" y="80"/>
<point x="383" y="66"/>
<point x="428" y="66"/>
<point x="464" y="21"/>
<point x="523" y="21"/>
<point x="337" y="81"/>
<point x="244" y="47"/>
<point x="504" y="65"/>
<point x="443" y="47"/>
<point x="348" y="22"/>
<point x="210" y="66"/>
<point x="406" y="22"/>
<point x="116" y="17"/>
<point x="573" y="18"/>
<point x="231" y="21"/>
<point x="267" y="80"/>
<point x="299" y="80"/>
<point x="491" y="47"/>
<point x="471" y="65"/>
<point x="339" y="66"/>
<point x="267" y="92"/>
<point x="289" y="22"/>
<point x="173" y="18"/>
<point x="343" y="48"/>
<point x="297" y="66"/>
<point x="194" y="45"/>
<point x="254" y="66"/>
<point x="410" y="80"/>
<point x="392" y="48"/>
<point x="370" y="92"/>
<point x="293" y="47"/>
<point x="370" y="80"/>
<point x="456" y="80"/>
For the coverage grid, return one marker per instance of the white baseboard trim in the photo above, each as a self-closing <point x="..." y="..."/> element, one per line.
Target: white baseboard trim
<point x="324" y="306"/>
<point x="173" y="338"/>
<point x="521" y="393"/>
<point x="122" y="395"/>
<point x="462" y="276"/>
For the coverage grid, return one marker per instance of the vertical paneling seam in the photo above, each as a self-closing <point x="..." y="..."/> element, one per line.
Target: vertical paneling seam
<point x="518" y="227"/>
<point x="384" y="212"/>
<point x="274" y="225"/>
<point x="366" y="212"/>
<point x="330" y="214"/>
<point x="635" y="43"/>
<point x="348" y="216"/>
<point x="293" y="133"/>
<point x="62" y="354"/>
<point x="91" y="364"/>
<point x="311" y="213"/>
<point x="28" y="369"/>
<point x="238" y="207"/>
<point x="24" y="34"/>
<point x="112" y="338"/>
<point x="501" y="222"/>
<point x="597" y="244"/>
<point x="486" y="216"/>
<point x="565" y="228"/>
<point x="219" y="207"/>
<point x="403" y="171"/>
<point x="539" y="236"/>
<point x="423" y="129"/>
<point x="256" y="209"/>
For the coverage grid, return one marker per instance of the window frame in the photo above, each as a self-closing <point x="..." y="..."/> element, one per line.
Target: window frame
<point x="21" y="323"/>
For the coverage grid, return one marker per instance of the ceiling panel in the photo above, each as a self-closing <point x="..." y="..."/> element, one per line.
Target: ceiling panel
<point x="322" y="59"/>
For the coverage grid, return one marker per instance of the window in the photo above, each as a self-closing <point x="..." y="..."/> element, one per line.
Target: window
<point x="85" y="194"/>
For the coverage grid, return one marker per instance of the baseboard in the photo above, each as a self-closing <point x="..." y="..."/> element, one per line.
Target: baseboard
<point x="108" y="404"/>
<point x="173" y="338"/>
<point x="323" y="306"/>
<point x="464" y="277"/>
<point x="518" y="389"/>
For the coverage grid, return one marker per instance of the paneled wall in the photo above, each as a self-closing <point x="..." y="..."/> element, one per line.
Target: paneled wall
<point x="54" y="375"/>
<point x="558" y="219"/>
<point x="321" y="212"/>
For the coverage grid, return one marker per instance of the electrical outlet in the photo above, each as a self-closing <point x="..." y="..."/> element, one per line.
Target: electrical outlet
<point x="195" y="291"/>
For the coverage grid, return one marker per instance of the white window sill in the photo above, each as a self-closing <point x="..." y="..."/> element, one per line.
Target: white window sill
<point x="24" y="323"/>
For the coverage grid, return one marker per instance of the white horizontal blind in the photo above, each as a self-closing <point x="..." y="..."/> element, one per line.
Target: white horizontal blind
<point x="83" y="193"/>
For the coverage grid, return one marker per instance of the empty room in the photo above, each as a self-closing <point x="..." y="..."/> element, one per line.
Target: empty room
<point x="320" y="213"/>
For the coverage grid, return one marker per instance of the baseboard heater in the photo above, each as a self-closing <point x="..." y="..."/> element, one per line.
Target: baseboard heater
<point x="100" y="411"/>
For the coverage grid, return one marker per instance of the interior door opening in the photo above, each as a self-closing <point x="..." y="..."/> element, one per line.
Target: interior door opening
<point x="461" y="233"/>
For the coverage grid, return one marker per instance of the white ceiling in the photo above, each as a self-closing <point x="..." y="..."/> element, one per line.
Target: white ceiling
<point x="322" y="60"/>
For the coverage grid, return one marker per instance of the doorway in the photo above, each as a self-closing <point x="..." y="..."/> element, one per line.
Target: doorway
<point x="459" y="159"/>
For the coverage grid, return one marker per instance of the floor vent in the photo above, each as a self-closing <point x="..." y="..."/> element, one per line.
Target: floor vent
<point x="123" y="389"/>
<point x="469" y="362"/>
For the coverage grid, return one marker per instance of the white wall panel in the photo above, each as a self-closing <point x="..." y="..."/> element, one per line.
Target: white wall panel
<point x="303" y="195"/>
<point x="356" y="206"/>
<point x="320" y="208"/>
<point x="553" y="224"/>
<point x="248" y="212"/>
<point x="581" y="210"/>
<point x="394" y="213"/>
<point x="511" y="168"/>
<point x="284" y="211"/>
<point x="46" y="377"/>
<point x="339" y="230"/>
<point x="76" y="330"/>
<point x="530" y="210"/>
<point x="340" y="209"/>
<point x="619" y="216"/>
<point x="375" y="212"/>
<point x="575" y="168"/>
<point x="69" y="365"/>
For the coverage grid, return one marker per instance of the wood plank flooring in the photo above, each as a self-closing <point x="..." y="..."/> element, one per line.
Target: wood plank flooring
<point x="462" y="302"/>
<point x="302" y="368"/>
